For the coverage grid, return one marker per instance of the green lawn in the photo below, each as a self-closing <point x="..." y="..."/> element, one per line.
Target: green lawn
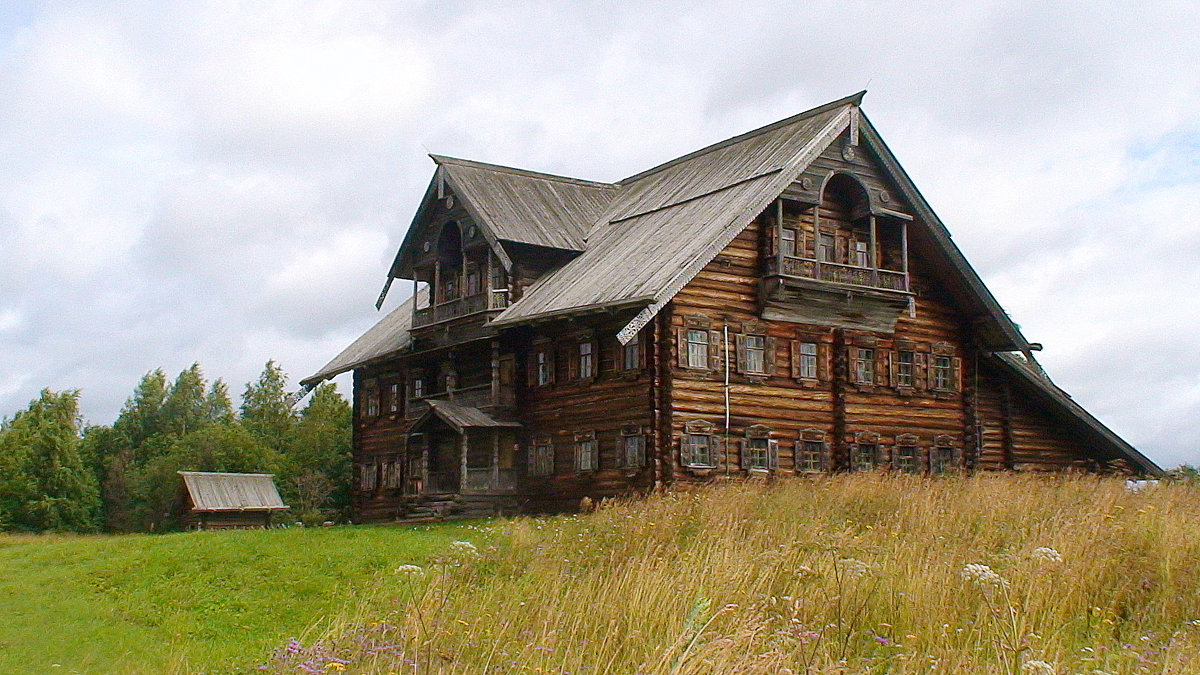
<point x="219" y="600"/>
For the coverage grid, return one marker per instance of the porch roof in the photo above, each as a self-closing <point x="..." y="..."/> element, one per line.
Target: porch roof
<point x="460" y="417"/>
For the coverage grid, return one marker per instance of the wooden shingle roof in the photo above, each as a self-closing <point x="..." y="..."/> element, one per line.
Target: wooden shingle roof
<point x="214" y="491"/>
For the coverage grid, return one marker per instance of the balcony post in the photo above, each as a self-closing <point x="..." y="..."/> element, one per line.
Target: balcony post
<point x="904" y="253"/>
<point x="874" y="260"/>
<point x="435" y="295"/>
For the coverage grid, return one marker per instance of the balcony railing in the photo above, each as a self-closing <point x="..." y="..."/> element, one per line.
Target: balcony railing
<point x="452" y="309"/>
<point x="849" y="275"/>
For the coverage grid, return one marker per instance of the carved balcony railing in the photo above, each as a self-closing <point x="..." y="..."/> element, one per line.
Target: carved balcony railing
<point x="464" y="306"/>
<point x="849" y="275"/>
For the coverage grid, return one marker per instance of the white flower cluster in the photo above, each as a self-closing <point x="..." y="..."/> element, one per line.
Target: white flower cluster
<point x="983" y="575"/>
<point x="464" y="549"/>
<point x="409" y="571"/>
<point x="1046" y="554"/>
<point x="1035" y="667"/>
<point x="853" y="567"/>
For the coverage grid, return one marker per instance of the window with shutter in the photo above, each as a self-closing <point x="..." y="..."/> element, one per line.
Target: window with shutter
<point x="633" y="448"/>
<point x="756" y="448"/>
<point x="752" y="354"/>
<point x="905" y="368"/>
<point x="698" y="447"/>
<point x="904" y="457"/>
<point x="863" y="364"/>
<point x="696" y="349"/>
<point x="805" y="366"/>
<point x="943" y="458"/>
<point x="882" y="367"/>
<point x="586" y="455"/>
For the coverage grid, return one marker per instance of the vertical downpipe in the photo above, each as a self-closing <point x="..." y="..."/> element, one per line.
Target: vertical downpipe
<point x="725" y="330"/>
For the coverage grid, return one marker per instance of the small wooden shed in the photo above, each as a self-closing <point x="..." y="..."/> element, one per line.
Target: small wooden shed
<point x="215" y="500"/>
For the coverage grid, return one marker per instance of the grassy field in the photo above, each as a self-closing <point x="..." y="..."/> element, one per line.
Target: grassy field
<point x="210" y="602"/>
<point x="845" y="574"/>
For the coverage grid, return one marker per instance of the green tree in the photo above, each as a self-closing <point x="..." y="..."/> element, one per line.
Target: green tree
<point x="184" y="409"/>
<point x="316" y="479"/>
<point x="267" y="407"/>
<point x="217" y="404"/>
<point x="112" y="454"/>
<point x="141" y="417"/>
<point x="44" y="481"/>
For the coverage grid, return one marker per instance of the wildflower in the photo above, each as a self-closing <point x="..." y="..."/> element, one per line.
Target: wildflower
<point x="1035" y="667"/>
<point x="293" y="646"/>
<point x="983" y="575"/>
<point x="853" y="567"/>
<point x="1047" y="554"/>
<point x="464" y="549"/>
<point x="335" y="666"/>
<point x="409" y="571"/>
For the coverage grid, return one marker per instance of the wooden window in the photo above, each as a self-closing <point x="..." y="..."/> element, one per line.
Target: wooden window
<point x="541" y="457"/>
<point x="587" y="360"/>
<point x="862" y="254"/>
<point x="864" y="455"/>
<point x="391" y="474"/>
<point x="418" y="388"/>
<point x="371" y="396"/>
<point x="863" y="364"/>
<point x="474" y="281"/>
<point x="788" y="242"/>
<point x="905" y="455"/>
<point x="943" y="373"/>
<point x="394" y="399"/>
<point x="368" y="477"/>
<point x="541" y="366"/>
<point x="944" y="456"/>
<point x="633" y="447"/>
<point x="698" y="447"/>
<point x="806" y="367"/>
<point x="586" y="455"/>
<point x="759" y="451"/>
<point x="905" y="367"/>
<point x="631" y="354"/>
<point x="754" y="354"/>
<point x="810" y="456"/>
<point x="697" y="349"/>
<point x="826" y="248"/>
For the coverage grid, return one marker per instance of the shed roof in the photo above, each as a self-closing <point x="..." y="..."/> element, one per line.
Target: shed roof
<point x="215" y="491"/>
<point x="460" y="417"/>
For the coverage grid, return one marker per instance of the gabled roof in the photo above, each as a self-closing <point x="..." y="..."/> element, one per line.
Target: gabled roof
<point x="669" y="222"/>
<point x="388" y="336"/>
<point x="459" y="417"/>
<point x="213" y="491"/>
<point x="511" y="205"/>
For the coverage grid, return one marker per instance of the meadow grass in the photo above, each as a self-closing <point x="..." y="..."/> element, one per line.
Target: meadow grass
<point x="840" y="574"/>
<point x="210" y="602"/>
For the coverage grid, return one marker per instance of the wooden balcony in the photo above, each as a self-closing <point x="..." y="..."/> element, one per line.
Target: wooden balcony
<point x="460" y="307"/>
<point x="847" y="275"/>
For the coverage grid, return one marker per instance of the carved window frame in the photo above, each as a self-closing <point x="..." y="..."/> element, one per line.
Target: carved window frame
<point x="906" y="454"/>
<point x="864" y="454"/>
<point x="632" y="448"/>
<point x="587" y="452"/>
<point x="699" y="443"/>
<point x="944" y="456"/>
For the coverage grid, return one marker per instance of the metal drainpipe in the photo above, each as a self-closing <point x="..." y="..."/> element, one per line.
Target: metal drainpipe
<point x="725" y="330"/>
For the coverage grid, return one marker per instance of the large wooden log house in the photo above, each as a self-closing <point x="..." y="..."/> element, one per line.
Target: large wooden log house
<point x="782" y="302"/>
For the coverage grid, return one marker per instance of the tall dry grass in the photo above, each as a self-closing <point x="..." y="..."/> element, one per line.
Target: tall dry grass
<point x="842" y="574"/>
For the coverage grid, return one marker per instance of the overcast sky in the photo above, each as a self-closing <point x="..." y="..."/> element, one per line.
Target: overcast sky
<point x="226" y="182"/>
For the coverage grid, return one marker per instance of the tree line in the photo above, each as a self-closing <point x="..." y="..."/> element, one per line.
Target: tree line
<point x="58" y="474"/>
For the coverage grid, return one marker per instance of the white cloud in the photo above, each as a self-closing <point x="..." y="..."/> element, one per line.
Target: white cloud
<point x="227" y="182"/>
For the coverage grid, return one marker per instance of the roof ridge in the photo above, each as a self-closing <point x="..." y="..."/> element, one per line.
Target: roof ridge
<point x="500" y="168"/>
<point x="853" y="99"/>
